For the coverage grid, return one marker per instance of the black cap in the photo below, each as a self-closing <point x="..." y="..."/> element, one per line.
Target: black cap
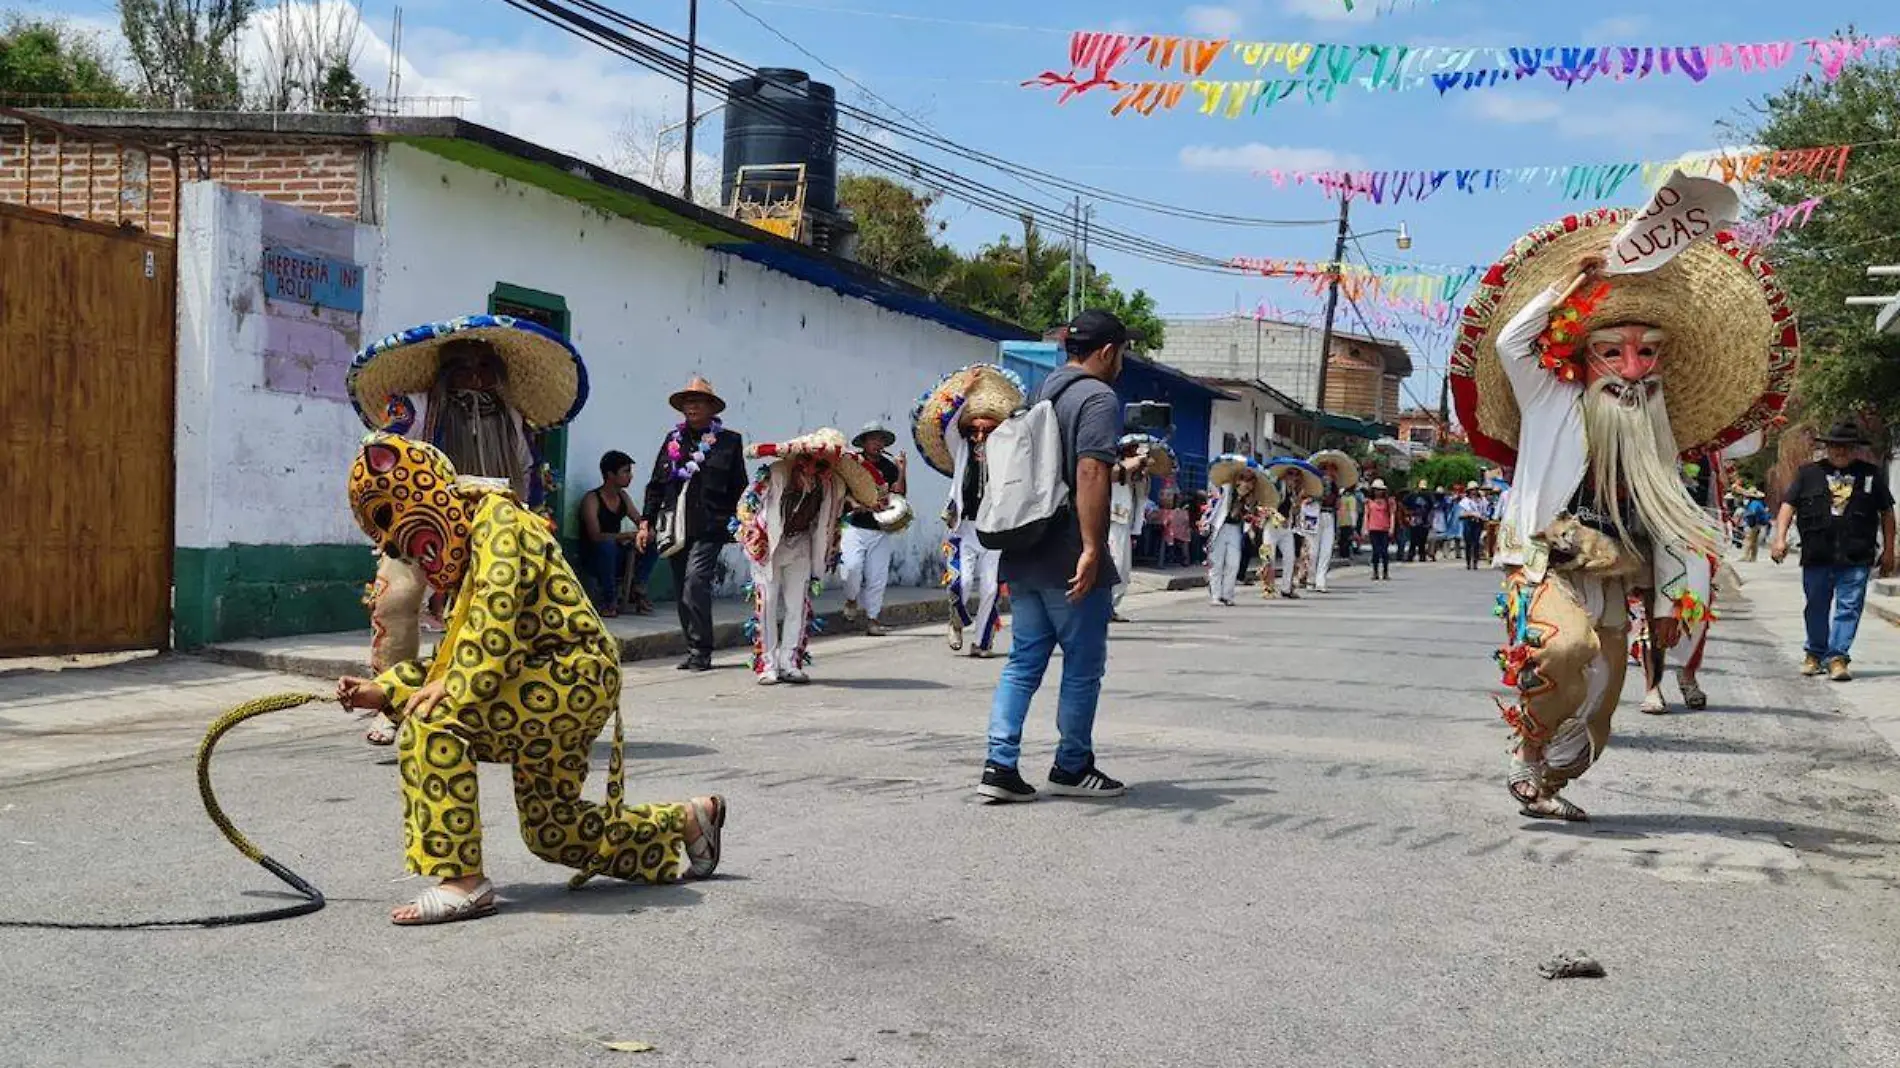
<point x="1845" y="432"/>
<point x="1092" y="330"/>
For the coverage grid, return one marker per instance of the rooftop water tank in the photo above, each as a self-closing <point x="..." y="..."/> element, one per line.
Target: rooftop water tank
<point x="780" y="116"/>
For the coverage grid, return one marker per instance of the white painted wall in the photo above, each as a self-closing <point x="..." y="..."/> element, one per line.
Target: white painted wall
<point x="648" y="310"/>
<point x="260" y="466"/>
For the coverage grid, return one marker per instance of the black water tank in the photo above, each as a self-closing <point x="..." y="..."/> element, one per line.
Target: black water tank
<point x="781" y="116"/>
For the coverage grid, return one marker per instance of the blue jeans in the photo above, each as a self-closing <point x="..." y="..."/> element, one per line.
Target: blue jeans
<point x="1836" y="596"/>
<point x="605" y="561"/>
<point x="1040" y="620"/>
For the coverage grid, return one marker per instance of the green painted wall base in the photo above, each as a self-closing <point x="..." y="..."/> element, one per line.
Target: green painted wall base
<point x="267" y="591"/>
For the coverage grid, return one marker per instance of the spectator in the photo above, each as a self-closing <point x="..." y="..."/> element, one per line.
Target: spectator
<point x="1472" y="513"/>
<point x="1755" y="517"/>
<point x="691" y="500"/>
<point x="603" y="511"/>
<point x="1382" y="521"/>
<point x="1176" y="528"/>
<point x="1845" y="513"/>
<point x="1418" y="522"/>
<point x="865" y="562"/>
<point x="1062" y="589"/>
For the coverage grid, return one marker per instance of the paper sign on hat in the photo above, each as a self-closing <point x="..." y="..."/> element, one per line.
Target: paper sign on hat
<point x="1683" y="211"/>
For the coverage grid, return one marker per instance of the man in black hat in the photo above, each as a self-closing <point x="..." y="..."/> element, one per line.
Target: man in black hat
<point x="1062" y="589"/>
<point x="691" y="500"/>
<point x="1845" y="513"/>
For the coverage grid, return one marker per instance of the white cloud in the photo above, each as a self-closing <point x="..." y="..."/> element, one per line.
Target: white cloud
<point x="1505" y="107"/>
<point x="1583" y="116"/>
<point x="1618" y="29"/>
<point x="1331" y="10"/>
<point x="1209" y="21"/>
<point x="1261" y="157"/>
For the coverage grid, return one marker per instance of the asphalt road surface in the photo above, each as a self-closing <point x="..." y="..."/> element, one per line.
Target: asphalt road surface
<point x="1317" y="864"/>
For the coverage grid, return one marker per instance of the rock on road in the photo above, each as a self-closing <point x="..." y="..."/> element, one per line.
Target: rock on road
<point x="1317" y="864"/>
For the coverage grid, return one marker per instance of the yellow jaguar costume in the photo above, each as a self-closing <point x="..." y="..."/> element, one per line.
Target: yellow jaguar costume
<point x="530" y="672"/>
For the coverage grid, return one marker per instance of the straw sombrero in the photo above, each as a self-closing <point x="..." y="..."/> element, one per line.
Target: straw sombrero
<point x="981" y="390"/>
<point x="1227" y="467"/>
<point x="1732" y="336"/>
<point x="1310" y="481"/>
<point x="827" y="444"/>
<point x="547" y="382"/>
<point x="1347" y="467"/>
<point x="1160" y="454"/>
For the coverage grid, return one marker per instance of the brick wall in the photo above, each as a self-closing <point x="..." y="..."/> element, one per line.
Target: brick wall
<point x="106" y="183"/>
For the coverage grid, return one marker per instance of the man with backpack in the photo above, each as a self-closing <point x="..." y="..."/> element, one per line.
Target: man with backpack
<point x="1045" y="506"/>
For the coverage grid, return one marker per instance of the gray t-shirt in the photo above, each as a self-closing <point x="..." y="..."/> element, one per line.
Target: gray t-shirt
<point x="1091" y="421"/>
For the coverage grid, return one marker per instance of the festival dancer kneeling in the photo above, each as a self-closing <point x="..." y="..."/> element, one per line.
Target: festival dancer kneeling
<point x="1564" y="373"/>
<point x="974" y="400"/>
<point x="788" y="525"/>
<point x="1241" y="497"/>
<point x="526" y="675"/>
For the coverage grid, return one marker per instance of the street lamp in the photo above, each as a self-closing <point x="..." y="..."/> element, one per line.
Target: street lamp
<point x="659" y="138"/>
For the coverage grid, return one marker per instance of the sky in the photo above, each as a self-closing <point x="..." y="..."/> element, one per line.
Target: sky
<point x="957" y="68"/>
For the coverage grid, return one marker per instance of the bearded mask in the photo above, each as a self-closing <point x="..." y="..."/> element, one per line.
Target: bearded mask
<point x="403" y="495"/>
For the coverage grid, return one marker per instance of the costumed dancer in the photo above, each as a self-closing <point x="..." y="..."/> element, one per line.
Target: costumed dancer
<point x="1340" y="475"/>
<point x="481" y="388"/>
<point x="1144" y="457"/>
<point x="1590" y="386"/>
<point x="974" y="401"/>
<point x="1299" y="485"/>
<point x="865" y="566"/>
<point x="788" y="524"/>
<point x="1241" y="494"/>
<point x="526" y="675"/>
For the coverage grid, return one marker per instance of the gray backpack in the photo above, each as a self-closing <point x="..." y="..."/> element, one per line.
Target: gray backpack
<point x="1025" y="487"/>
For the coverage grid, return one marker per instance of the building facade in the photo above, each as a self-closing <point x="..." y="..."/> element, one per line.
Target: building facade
<point x="1363" y="375"/>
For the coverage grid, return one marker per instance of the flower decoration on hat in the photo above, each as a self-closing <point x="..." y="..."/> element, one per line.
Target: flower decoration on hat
<point x="1558" y="347"/>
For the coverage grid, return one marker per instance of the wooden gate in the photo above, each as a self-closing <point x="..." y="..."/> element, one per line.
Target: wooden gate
<point x="87" y="374"/>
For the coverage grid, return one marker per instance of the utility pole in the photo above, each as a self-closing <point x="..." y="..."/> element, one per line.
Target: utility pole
<point x="1332" y="300"/>
<point x="1026" y="288"/>
<point x="692" y="72"/>
<point x="1083" y="300"/>
<point x="1075" y="230"/>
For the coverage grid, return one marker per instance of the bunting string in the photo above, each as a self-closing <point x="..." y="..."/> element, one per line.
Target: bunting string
<point x="1314" y="72"/>
<point x="1572" y="181"/>
<point x="1396" y="286"/>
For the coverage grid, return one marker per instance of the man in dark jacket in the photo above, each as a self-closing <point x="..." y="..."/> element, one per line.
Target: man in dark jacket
<point x="1845" y="513"/>
<point x="694" y="494"/>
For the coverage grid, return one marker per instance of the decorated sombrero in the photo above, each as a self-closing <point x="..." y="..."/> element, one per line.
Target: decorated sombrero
<point x="827" y="444"/>
<point x="1345" y="468"/>
<point x="1732" y="339"/>
<point x="1227" y="467"/>
<point x="981" y="390"/>
<point x="547" y="382"/>
<point x="1160" y="454"/>
<point x="1310" y="481"/>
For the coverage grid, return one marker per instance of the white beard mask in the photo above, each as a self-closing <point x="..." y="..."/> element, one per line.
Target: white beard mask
<point x="1633" y="450"/>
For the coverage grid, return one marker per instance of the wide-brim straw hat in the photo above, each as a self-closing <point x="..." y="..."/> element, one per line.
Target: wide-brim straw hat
<point x="698" y="387"/>
<point x="1347" y="467"/>
<point x="1378" y="483"/>
<point x="981" y="390"/>
<point x="1161" y="461"/>
<point x="874" y="429"/>
<point x="1310" y="481"/>
<point x="826" y="443"/>
<point x="546" y="380"/>
<point x="1228" y="466"/>
<point x="1726" y="369"/>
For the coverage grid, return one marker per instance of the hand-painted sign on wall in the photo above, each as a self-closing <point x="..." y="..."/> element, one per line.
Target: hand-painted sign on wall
<point x="301" y="278"/>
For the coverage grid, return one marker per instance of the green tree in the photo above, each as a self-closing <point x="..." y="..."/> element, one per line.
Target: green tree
<point x="1450" y="469"/>
<point x="46" y="62"/>
<point x="341" y="91"/>
<point x="186" y="50"/>
<point x="1845" y="366"/>
<point x="896" y="234"/>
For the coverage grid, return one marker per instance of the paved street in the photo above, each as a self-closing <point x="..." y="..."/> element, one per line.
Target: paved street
<point x="1317" y="865"/>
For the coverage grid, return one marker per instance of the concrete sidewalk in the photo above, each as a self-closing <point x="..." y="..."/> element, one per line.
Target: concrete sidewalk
<point x="641" y="637"/>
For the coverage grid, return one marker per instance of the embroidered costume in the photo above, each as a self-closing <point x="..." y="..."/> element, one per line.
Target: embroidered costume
<point x="950" y="424"/>
<point x="788" y="525"/>
<point x="1241" y="497"/>
<point x="1301" y="492"/>
<point x="531" y="678"/>
<point x="1590" y="392"/>
<point x="1128" y="497"/>
<point x="480" y="389"/>
<point x="1341" y="476"/>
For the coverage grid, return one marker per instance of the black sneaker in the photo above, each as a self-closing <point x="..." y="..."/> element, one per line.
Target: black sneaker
<point x="1089" y="782"/>
<point x="1005" y="784"/>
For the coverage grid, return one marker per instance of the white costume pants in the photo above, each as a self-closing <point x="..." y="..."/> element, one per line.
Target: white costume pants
<point x="1325" y="542"/>
<point x="1121" y="550"/>
<point x="1284" y="558"/>
<point x="866" y="568"/>
<point x="781" y="585"/>
<point x="1223" y="562"/>
<point x="973" y="594"/>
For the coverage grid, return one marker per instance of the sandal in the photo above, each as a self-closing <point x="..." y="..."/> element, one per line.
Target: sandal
<point x="1692" y="694"/>
<point x="1554" y="808"/>
<point x="438" y="904"/>
<point x="1525" y="783"/>
<point x="704" y="852"/>
<point x="383" y="733"/>
<point x="1653" y="704"/>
